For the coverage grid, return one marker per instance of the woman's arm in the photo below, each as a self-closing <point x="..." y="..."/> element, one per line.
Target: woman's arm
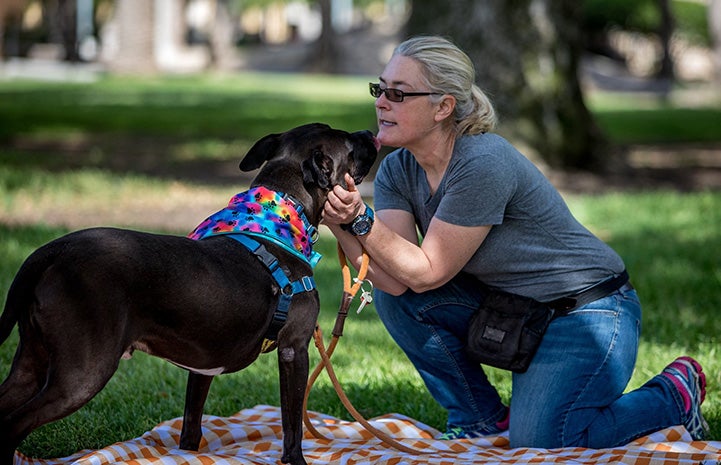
<point x="400" y="221"/>
<point x="445" y="249"/>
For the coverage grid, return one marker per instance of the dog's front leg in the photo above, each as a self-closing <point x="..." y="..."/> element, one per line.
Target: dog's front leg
<point x="195" y="395"/>
<point x="293" y="369"/>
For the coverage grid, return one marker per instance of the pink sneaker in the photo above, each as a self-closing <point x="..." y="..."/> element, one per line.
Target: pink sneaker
<point x="688" y="377"/>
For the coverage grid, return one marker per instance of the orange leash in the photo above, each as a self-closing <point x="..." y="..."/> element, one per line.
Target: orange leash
<point x="349" y="291"/>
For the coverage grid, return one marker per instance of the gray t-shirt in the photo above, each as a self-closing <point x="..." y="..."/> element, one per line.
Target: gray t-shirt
<point x="535" y="248"/>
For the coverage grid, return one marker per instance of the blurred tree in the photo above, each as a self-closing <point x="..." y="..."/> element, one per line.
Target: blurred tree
<point x="324" y="56"/>
<point x="526" y="54"/>
<point x="666" y="27"/>
<point x="134" y="19"/>
<point x="649" y="17"/>
<point x="714" y="21"/>
<point x="61" y="16"/>
<point x="11" y="12"/>
<point x="222" y="46"/>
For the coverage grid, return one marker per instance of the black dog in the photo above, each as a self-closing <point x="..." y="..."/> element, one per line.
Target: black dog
<point x="85" y="300"/>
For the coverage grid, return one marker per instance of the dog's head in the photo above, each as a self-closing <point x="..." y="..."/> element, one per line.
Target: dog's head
<point x="316" y="154"/>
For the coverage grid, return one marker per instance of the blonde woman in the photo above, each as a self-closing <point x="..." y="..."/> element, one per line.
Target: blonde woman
<point x="485" y="214"/>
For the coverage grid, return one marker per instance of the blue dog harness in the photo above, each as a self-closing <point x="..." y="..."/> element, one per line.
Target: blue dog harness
<point x="261" y="212"/>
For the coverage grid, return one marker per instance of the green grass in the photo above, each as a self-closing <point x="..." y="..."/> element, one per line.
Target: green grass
<point x="647" y="119"/>
<point x="78" y="148"/>
<point x="666" y="238"/>
<point x="246" y="106"/>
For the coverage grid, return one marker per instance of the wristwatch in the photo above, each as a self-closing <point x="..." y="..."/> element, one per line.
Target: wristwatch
<point x="361" y="225"/>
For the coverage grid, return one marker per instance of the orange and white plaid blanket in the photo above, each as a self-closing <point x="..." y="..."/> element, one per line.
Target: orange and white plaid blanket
<point x="254" y="437"/>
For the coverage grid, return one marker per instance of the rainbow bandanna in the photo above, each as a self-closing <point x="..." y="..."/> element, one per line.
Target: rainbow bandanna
<point x="264" y="213"/>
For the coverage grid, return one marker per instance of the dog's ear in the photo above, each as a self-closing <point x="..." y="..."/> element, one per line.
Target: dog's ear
<point x="261" y="151"/>
<point x="318" y="170"/>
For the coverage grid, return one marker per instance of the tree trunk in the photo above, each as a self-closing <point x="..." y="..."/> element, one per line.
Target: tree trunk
<point x="135" y="28"/>
<point x="666" y="34"/>
<point x="324" y="55"/>
<point x="61" y="27"/>
<point x="714" y="21"/>
<point x="526" y="54"/>
<point x="11" y="12"/>
<point x="222" y="49"/>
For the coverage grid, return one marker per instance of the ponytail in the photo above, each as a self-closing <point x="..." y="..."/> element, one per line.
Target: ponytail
<point x="481" y="118"/>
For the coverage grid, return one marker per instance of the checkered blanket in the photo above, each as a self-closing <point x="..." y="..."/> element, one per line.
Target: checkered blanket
<point x="254" y="437"/>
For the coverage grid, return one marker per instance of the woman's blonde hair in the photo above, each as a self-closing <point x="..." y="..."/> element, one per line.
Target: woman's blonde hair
<point x="448" y="70"/>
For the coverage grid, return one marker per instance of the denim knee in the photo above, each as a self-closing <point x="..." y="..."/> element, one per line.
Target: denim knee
<point x="431" y="329"/>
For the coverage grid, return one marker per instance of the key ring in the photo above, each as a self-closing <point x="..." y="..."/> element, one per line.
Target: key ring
<point x="366" y="294"/>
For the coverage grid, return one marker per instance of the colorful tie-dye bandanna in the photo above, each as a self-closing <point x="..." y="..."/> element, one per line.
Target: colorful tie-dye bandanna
<point x="264" y="213"/>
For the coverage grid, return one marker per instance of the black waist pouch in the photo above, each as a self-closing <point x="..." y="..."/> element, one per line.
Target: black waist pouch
<point x="506" y="330"/>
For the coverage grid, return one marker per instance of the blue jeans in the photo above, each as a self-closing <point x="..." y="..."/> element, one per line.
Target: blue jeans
<point x="571" y="395"/>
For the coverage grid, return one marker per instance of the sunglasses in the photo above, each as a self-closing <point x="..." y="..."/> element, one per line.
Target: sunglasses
<point x="395" y="95"/>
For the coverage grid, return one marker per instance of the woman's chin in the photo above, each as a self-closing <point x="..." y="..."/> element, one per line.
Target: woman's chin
<point x="385" y="138"/>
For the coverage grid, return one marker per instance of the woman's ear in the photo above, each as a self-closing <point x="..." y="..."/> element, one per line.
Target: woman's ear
<point x="445" y="107"/>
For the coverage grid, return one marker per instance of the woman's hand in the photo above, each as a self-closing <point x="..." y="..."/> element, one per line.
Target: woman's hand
<point x="343" y="206"/>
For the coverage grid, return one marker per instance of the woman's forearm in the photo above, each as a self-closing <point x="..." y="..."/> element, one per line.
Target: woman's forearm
<point x="376" y="274"/>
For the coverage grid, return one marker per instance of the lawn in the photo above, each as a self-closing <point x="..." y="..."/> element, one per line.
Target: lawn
<point x="71" y="153"/>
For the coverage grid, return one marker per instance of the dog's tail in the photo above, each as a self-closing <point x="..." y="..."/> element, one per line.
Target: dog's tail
<point x="20" y="294"/>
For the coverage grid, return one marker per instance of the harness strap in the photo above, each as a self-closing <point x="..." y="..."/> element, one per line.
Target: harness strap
<point x="288" y="288"/>
<point x="311" y="230"/>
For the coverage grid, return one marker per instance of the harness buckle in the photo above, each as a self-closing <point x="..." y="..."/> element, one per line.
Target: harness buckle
<point x="308" y="284"/>
<point x="313" y="234"/>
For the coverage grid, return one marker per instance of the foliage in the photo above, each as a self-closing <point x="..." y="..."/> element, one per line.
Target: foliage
<point x="644" y="16"/>
<point x="638" y="15"/>
<point x="692" y="21"/>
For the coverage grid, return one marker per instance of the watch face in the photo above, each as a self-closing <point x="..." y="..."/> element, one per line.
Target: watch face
<point x="362" y="225"/>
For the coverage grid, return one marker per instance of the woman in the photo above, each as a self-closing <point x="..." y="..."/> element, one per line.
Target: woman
<point x="485" y="213"/>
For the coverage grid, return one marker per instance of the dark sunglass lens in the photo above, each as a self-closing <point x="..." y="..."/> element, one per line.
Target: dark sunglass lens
<point x="375" y="90"/>
<point x="394" y="95"/>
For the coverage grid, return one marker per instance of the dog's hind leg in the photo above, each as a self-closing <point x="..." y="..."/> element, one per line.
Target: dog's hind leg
<point x="25" y="380"/>
<point x="27" y="376"/>
<point x="195" y="395"/>
<point x="29" y="368"/>
<point x="64" y="392"/>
